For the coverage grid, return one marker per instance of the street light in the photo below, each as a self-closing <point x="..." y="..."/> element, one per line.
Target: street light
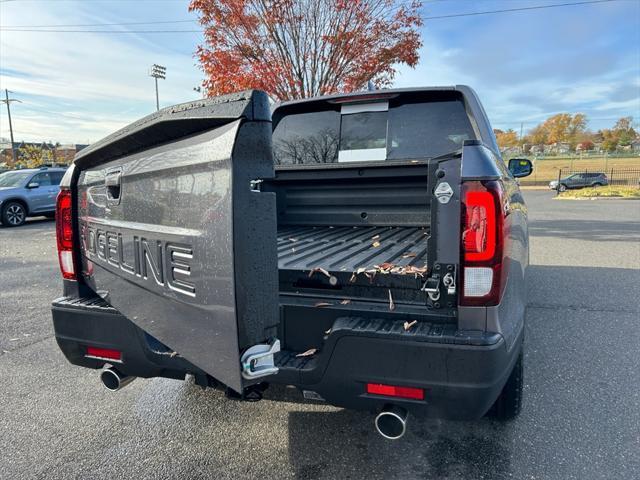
<point x="158" y="71"/>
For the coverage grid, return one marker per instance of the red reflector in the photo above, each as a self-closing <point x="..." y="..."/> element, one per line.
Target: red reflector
<point x="103" y="353"/>
<point x="395" y="391"/>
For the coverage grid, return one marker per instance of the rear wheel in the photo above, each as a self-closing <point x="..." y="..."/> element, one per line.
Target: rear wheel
<point x="14" y="214"/>
<point x="597" y="184"/>
<point x="508" y="404"/>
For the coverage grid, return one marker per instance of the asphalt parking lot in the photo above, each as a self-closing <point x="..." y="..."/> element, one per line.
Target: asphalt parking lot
<point x="581" y="416"/>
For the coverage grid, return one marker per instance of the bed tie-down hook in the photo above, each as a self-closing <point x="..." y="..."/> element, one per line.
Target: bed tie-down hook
<point x="432" y="285"/>
<point x="258" y="361"/>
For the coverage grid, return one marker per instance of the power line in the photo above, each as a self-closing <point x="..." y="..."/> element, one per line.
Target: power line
<point x="519" y="9"/>
<point x="98" y="24"/>
<point x="32" y="28"/>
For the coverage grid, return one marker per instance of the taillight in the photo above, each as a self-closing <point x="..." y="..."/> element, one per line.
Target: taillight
<point x="482" y="243"/>
<point x="64" y="234"/>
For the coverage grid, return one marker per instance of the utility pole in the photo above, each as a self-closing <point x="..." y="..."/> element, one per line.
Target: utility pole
<point x="8" y="100"/>
<point x="158" y="71"/>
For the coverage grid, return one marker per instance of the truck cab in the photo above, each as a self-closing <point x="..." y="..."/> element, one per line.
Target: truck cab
<point x="368" y="249"/>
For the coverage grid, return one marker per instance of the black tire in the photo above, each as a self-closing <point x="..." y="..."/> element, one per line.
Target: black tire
<point x="562" y="187"/>
<point x="597" y="184"/>
<point x="509" y="403"/>
<point x="14" y="214"/>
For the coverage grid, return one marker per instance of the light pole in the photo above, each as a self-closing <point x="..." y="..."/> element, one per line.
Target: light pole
<point x="158" y="71"/>
<point x="8" y="101"/>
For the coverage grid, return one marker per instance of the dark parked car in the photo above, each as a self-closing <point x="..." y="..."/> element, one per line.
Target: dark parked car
<point x="368" y="249"/>
<point x="28" y="193"/>
<point x="580" y="180"/>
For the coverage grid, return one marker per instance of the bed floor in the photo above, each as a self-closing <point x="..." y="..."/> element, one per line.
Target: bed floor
<point x="347" y="249"/>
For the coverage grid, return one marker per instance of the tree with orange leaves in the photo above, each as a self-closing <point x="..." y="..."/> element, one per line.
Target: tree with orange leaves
<point x="303" y="48"/>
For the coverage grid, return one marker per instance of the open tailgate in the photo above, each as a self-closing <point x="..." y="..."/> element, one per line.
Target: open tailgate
<point x="174" y="235"/>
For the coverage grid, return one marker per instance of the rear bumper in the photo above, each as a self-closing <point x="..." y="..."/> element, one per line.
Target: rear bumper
<point x="81" y="322"/>
<point x="462" y="373"/>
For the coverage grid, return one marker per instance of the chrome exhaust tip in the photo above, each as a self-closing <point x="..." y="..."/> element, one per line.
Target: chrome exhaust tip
<point x="391" y="422"/>
<point x="114" y="380"/>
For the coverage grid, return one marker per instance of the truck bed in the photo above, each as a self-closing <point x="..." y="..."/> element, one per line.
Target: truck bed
<point x="347" y="249"/>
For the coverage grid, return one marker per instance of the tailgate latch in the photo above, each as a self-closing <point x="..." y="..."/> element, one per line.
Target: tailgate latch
<point x="258" y="361"/>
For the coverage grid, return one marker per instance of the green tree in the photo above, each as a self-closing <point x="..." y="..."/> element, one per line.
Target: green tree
<point x="624" y="131"/>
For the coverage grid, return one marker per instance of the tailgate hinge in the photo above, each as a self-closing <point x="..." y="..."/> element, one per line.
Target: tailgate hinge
<point x="258" y="361"/>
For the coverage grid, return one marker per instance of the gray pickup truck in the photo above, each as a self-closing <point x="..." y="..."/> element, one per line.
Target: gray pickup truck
<point x="368" y="249"/>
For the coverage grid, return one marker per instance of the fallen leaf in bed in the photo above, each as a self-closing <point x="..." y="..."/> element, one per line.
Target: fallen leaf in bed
<point x="375" y="236"/>
<point x="321" y="270"/>
<point x="392" y="306"/>
<point x="308" y="353"/>
<point x="346" y="301"/>
<point x="376" y="244"/>
<point x="409" y="255"/>
<point x="291" y="239"/>
<point x="323" y="304"/>
<point x="408" y="325"/>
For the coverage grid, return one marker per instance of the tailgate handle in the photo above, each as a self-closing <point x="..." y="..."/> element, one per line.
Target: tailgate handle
<point x="112" y="182"/>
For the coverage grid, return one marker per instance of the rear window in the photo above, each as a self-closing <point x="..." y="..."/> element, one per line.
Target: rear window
<point x="380" y="131"/>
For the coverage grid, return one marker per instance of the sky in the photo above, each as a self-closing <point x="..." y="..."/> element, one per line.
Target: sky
<point x="526" y="65"/>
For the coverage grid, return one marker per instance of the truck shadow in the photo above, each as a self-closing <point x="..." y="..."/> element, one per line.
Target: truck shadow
<point x="344" y="444"/>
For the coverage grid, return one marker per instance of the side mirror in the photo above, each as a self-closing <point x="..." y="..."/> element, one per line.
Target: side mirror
<point x="33" y="185"/>
<point x="520" y="167"/>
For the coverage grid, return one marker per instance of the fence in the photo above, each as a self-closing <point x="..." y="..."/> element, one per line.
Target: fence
<point x="615" y="176"/>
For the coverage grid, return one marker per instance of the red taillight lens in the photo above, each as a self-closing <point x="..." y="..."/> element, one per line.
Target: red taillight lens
<point x="64" y="234"/>
<point x="395" y="391"/>
<point x="479" y="229"/>
<point x="482" y="243"/>
<point x="105" y="353"/>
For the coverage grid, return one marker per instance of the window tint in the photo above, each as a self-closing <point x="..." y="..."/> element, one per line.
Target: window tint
<point x="56" y="177"/>
<point x="415" y="129"/>
<point x="427" y="129"/>
<point x="307" y="138"/>
<point x="364" y="130"/>
<point x="42" y="179"/>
